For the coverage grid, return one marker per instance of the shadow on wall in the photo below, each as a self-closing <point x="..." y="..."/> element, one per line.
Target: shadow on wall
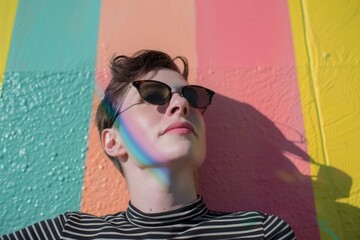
<point x="246" y="169"/>
<point x="337" y="220"/>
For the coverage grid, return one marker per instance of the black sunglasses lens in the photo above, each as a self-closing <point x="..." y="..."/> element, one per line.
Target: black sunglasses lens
<point x="154" y="93"/>
<point x="197" y="96"/>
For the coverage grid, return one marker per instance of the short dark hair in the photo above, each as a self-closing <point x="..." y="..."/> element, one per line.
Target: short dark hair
<point x="125" y="70"/>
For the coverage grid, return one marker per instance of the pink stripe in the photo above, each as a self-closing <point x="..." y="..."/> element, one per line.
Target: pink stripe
<point x="256" y="150"/>
<point x="255" y="30"/>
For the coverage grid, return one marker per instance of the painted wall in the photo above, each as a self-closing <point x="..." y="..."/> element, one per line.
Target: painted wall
<point x="283" y="131"/>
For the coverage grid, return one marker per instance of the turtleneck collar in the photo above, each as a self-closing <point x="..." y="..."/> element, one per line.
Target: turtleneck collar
<point x="178" y="216"/>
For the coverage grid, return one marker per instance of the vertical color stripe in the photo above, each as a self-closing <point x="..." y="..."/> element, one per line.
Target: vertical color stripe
<point x="7" y="17"/>
<point x="45" y="109"/>
<point x="326" y="38"/>
<point x="256" y="150"/>
<point x="126" y="27"/>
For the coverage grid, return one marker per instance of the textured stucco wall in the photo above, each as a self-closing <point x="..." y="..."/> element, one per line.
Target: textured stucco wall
<point x="326" y="40"/>
<point x="45" y="106"/>
<point x="283" y="131"/>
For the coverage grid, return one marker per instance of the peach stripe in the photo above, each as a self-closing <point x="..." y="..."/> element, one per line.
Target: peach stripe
<point x="126" y="27"/>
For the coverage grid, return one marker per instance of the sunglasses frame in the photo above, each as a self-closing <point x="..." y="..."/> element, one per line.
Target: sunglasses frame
<point x="137" y="84"/>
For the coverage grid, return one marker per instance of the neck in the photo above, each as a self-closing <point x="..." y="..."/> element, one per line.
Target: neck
<point x="161" y="189"/>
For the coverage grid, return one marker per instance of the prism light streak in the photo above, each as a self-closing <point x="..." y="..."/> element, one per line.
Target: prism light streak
<point x="139" y="150"/>
<point x="132" y="144"/>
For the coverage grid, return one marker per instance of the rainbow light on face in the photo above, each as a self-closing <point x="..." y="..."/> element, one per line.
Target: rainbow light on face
<point x="139" y="150"/>
<point x="133" y="144"/>
<point x="129" y="139"/>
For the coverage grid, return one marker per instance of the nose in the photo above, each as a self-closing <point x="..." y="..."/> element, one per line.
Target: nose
<point x="178" y="104"/>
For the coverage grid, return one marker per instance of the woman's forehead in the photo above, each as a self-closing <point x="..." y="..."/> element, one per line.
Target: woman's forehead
<point x="167" y="76"/>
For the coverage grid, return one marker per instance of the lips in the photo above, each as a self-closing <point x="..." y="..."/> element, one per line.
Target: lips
<point x="180" y="128"/>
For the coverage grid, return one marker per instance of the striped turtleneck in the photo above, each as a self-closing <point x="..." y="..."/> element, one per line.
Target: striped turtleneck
<point x="179" y="216"/>
<point x="192" y="221"/>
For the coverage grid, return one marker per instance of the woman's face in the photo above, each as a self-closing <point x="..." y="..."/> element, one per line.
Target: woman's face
<point x="162" y="135"/>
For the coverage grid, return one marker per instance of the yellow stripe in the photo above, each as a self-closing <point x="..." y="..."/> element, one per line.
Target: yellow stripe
<point x="7" y="18"/>
<point x="307" y="83"/>
<point x="326" y="38"/>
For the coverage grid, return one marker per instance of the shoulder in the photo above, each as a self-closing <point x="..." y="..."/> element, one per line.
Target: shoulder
<point x="248" y="216"/>
<point x="84" y="222"/>
<point x="272" y="226"/>
<point x="276" y="228"/>
<point x="45" y="229"/>
<point x="62" y="225"/>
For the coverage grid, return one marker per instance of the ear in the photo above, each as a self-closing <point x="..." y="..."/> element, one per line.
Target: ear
<point x="112" y="143"/>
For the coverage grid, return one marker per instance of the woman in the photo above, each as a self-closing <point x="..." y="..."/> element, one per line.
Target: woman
<point x="151" y="127"/>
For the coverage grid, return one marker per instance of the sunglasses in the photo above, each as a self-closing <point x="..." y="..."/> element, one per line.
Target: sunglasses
<point x="159" y="93"/>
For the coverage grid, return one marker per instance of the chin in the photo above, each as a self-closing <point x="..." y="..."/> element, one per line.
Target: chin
<point x="179" y="153"/>
<point x="190" y="157"/>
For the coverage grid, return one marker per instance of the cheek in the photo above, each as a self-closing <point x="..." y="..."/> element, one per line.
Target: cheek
<point x="202" y="134"/>
<point x="199" y="123"/>
<point x="202" y="138"/>
<point x="139" y="134"/>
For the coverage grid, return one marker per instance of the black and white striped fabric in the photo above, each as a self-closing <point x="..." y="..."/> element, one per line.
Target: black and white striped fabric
<point x="193" y="221"/>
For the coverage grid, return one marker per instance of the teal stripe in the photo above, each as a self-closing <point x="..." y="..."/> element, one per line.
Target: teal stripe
<point x="54" y="35"/>
<point x="45" y="109"/>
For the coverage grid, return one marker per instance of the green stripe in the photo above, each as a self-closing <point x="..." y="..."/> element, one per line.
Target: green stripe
<point x="45" y="109"/>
